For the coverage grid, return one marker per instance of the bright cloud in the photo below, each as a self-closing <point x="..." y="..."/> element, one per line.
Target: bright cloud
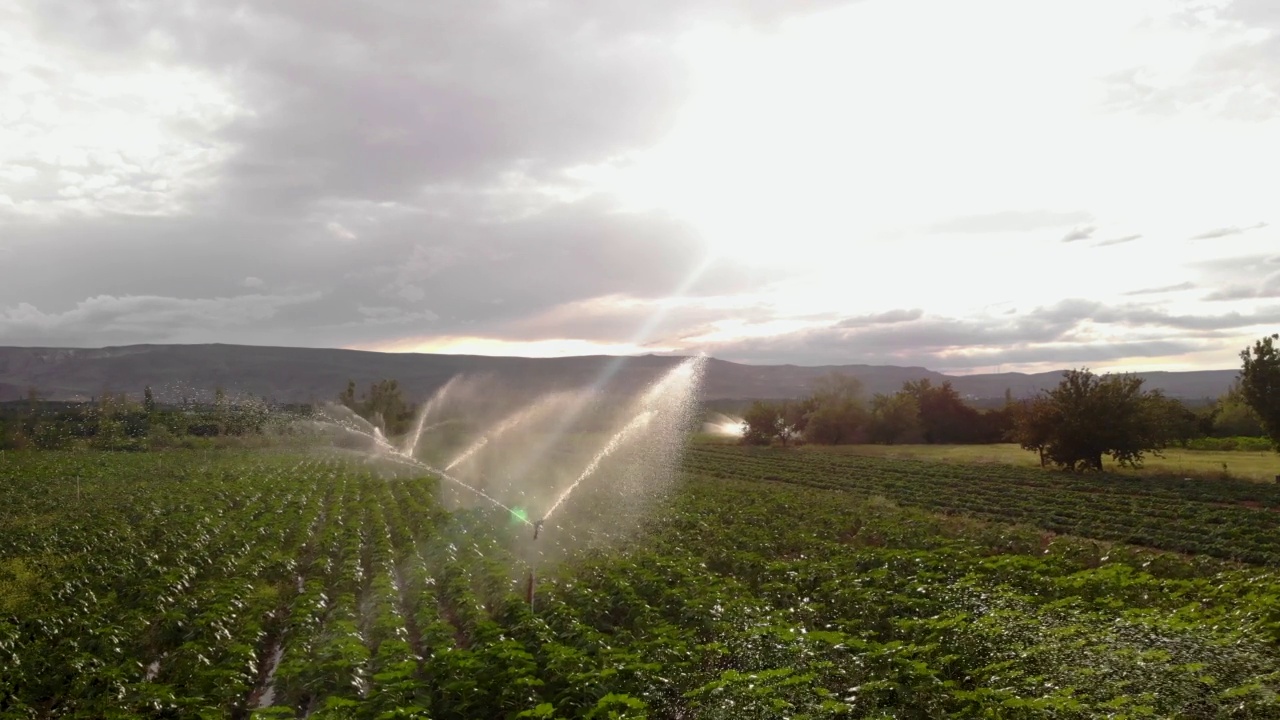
<point x="993" y="183"/>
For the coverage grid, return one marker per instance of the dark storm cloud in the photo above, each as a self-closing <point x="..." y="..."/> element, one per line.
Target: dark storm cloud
<point x="1011" y="221"/>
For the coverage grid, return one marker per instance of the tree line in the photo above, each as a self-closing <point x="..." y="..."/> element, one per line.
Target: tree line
<point x="837" y="413"/>
<point x="117" y="421"/>
<point x="1074" y="426"/>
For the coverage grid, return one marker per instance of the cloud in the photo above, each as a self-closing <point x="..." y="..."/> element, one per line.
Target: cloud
<point x="1053" y="333"/>
<point x="1118" y="241"/>
<point x="1227" y="231"/>
<point x="1163" y="289"/>
<point x="437" y="136"/>
<point x="471" y="273"/>
<point x="141" y="318"/>
<point x="385" y="315"/>
<point x="1234" y="73"/>
<point x="1082" y="232"/>
<point x="885" y="318"/>
<point x="826" y="346"/>
<point x="337" y="230"/>
<point x="1268" y="288"/>
<point x="622" y="318"/>
<point x="417" y="170"/>
<point x="379" y="102"/>
<point x="1010" y="221"/>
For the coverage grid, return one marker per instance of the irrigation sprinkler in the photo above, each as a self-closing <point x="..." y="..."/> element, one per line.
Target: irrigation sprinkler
<point x="537" y="526"/>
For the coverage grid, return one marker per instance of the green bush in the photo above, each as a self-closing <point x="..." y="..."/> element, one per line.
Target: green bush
<point x="1246" y="444"/>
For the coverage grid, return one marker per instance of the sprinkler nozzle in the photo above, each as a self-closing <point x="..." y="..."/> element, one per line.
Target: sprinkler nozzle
<point x="537" y="526"/>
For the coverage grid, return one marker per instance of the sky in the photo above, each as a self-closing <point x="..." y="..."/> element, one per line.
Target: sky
<point x="969" y="187"/>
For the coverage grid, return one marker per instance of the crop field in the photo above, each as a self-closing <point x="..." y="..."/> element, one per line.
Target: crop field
<point x="1262" y="466"/>
<point x="766" y="584"/>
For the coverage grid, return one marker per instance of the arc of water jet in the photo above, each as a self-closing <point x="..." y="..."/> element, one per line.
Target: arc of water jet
<point x="352" y="416"/>
<point x="373" y="433"/>
<point x="396" y="456"/>
<point x="507" y="423"/>
<point x="411" y="443"/>
<point x="682" y="371"/>
<point x="471" y="450"/>
<point x="636" y="423"/>
<point x="411" y="462"/>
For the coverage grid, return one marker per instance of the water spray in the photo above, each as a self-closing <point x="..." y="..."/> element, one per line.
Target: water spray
<point x="501" y="428"/>
<point x="411" y="442"/>
<point x="664" y="402"/>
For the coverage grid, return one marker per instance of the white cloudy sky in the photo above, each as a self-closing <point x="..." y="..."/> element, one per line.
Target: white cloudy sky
<point x="966" y="186"/>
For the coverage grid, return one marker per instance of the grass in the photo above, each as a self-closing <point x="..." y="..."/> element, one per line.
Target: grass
<point x="1259" y="466"/>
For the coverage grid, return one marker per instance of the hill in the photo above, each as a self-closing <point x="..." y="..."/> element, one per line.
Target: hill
<point x="307" y="374"/>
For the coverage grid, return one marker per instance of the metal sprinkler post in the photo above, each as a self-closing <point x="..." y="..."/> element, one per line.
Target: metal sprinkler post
<point x="529" y="589"/>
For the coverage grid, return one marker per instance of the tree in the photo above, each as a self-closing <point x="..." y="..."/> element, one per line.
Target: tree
<point x="1034" y="422"/>
<point x="1176" y="422"/>
<point x="894" y="418"/>
<point x="758" y="423"/>
<point x="1260" y="383"/>
<point x="766" y="422"/>
<point x="148" y="401"/>
<point x="348" y="397"/>
<point x="944" y="416"/>
<point x="386" y="407"/>
<point x="835" y="413"/>
<point x="1088" y="417"/>
<point x="1232" y="417"/>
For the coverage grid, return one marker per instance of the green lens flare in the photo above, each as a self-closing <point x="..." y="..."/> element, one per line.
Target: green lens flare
<point x="519" y="515"/>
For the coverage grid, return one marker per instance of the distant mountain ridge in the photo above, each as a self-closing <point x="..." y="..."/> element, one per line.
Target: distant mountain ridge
<point x="285" y="374"/>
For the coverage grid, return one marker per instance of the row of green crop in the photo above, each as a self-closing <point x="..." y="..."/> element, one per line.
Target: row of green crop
<point x="1159" y="513"/>
<point x="731" y="598"/>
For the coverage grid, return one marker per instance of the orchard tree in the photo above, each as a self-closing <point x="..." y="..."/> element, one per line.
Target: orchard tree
<point x="1088" y="417"/>
<point x="1034" y="423"/>
<point x="1260" y="383"/>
